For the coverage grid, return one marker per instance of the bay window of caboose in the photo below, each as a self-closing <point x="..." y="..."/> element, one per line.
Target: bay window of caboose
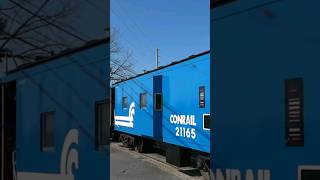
<point x="157" y="102"/>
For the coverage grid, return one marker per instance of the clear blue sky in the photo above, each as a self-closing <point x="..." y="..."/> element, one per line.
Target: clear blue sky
<point x="179" y="28"/>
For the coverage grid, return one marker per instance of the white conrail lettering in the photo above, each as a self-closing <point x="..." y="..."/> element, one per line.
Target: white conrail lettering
<point x="183" y="120"/>
<point x="183" y="123"/>
<point x="236" y="174"/>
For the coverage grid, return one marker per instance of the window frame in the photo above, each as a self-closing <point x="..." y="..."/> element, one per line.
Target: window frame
<point x="43" y="132"/>
<point x="302" y="168"/>
<point x="203" y="118"/>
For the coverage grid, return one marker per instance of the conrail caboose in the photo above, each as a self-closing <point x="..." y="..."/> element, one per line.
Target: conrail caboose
<point x="169" y="106"/>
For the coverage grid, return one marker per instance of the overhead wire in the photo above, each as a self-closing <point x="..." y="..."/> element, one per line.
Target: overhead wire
<point x="48" y="22"/>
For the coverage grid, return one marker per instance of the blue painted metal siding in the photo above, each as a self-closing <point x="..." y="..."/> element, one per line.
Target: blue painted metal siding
<point x="69" y="86"/>
<point x="143" y="121"/>
<point x="180" y="88"/>
<point x="255" y="51"/>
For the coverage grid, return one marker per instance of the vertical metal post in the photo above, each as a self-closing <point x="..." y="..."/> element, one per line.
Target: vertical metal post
<point x="157" y="58"/>
<point x="6" y="59"/>
<point x="2" y="132"/>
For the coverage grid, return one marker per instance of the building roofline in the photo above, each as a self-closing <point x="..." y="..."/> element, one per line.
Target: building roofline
<point x="67" y="52"/>
<point x="168" y="65"/>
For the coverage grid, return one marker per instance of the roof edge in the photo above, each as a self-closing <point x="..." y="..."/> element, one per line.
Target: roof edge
<point x="168" y="65"/>
<point x="88" y="45"/>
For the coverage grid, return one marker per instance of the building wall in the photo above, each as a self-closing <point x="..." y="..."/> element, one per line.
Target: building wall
<point x="69" y="86"/>
<point x="257" y="45"/>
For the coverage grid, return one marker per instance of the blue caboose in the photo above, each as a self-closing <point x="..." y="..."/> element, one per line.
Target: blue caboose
<point x="266" y="89"/>
<point x="170" y="104"/>
<point x="54" y="117"/>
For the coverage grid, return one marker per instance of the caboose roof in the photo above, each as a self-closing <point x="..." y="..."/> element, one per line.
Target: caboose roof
<point x="168" y="65"/>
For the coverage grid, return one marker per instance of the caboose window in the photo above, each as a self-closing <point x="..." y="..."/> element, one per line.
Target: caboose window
<point x="101" y="125"/>
<point x="309" y="172"/>
<point x="47" y="131"/>
<point x="206" y="121"/>
<point x="124" y="102"/>
<point x="143" y="100"/>
<point x="202" y="103"/>
<point x="158" y="102"/>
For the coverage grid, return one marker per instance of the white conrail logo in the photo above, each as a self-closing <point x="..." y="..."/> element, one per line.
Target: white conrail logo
<point x="126" y="121"/>
<point x="69" y="162"/>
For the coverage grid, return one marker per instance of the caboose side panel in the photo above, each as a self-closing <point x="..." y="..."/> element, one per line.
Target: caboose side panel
<point x="59" y="98"/>
<point x="266" y="90"/>
<point x="130" y="117"/>
<point x="165" y="104"/>
<point x="184" y="110"/>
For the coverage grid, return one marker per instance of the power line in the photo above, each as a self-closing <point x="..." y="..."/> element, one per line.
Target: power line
<point x="132" y="29"/>
<point x="96" y="7"/>
<point x="135" y="24"/>
<point x="7" y="8"/>
<point x="34" y="31"/>
<point x="246" y="10"/>
<point x="24" y="41"/>
<point x="26" y="22"/>
<point x="66" y="25"/>
<point x="48" y="22"/>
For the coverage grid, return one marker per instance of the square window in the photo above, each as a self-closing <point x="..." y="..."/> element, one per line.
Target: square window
<point x="206" y="121"/>
<point x="308" y="172"/>
<point x="124" y="102"/>
<point x="143" y="100"/>
<point x="47" y="131"/>
<point x="158" y="102"/>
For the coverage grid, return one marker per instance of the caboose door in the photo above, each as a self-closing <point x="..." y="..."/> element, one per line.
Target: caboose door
<point x="157" y="107"/>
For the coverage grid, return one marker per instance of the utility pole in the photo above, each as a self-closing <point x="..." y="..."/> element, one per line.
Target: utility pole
<point x="157" y="58"/>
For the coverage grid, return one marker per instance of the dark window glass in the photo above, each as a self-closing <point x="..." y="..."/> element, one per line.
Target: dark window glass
<point x="158" y="102"/>
<point x="124" y="102"/>
<point x="47" y="131"/>
<point x="102" y="126"/>
<point x="143" y="100"/>
<point x="310" y="175"/>
<point x="206" y="121"/>
<point x="202" y="101"/>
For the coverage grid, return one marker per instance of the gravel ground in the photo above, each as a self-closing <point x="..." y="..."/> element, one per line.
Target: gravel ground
<point x="130" y="165"/>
